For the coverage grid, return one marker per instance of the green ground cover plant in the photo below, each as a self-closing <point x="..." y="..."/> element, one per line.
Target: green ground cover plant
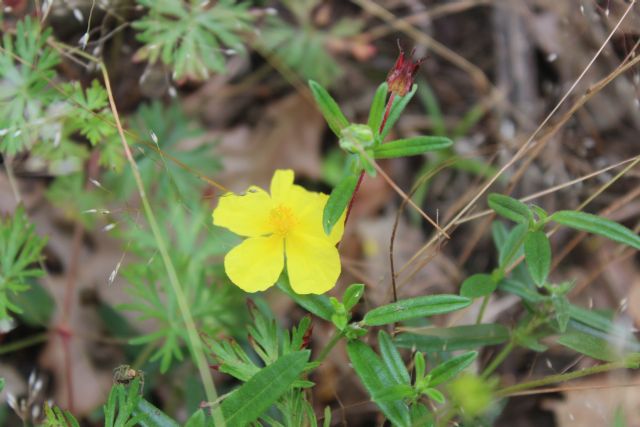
<point x="204" y="266"/>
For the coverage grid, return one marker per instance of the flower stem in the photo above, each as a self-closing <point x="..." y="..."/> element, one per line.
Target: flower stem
<point x="630" y="363"/>
<point x="382" y="124"/>
<point x="327" y="348"/>
<point x="506" y="350"/>
<point x="483" y="307"/>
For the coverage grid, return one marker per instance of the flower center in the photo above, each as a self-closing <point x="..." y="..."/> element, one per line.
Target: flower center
<point x="281" y="219"/>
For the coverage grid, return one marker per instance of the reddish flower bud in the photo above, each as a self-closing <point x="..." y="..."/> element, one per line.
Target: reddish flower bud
<point x="400" y="78"/>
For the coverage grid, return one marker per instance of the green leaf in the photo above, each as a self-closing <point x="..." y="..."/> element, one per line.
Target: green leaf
<point x="192" y="37"/>
<point x="1" y="384"/>
<point x="316" y="304"/>
<point x="395" y="392"/>
<point x="421" y="415"/>
<point x="377" y="107"/>
<point x="434" y="395"/>
<point x="597" y="225"/>
<point x="513" y="246"/>
<point x="329" y="108"/>
<point x="352" y="295"/>
<point x="399" y="104"/>
<point x="415" y="307"/>
<point x="338" y="201"/>
<point x="561" y="306"/>
<point x="510" y="208"/>
<point x="452" y="367"/>
<point x="411" y="146"/>
<point x="198" y="419"/>
<point x="478" y="285"/>
<point x="376" y="378"/>
<point x="20" y="250"/>
<point x="250" y="400"/>
<point x="453" y="338"/>
<point x="152" y="416"/>
<point x="589" y="345"/>
<point x="522" y="290"/>
<point x="391" y="358"/>
<point x="537" y="253"/>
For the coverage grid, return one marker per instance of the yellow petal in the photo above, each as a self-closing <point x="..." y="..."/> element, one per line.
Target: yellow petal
<point x="313" y="264"/>
<point x="245" y="214"/>
<point x="309" y="213"/>
<point x="255" y="264"/>
<point x="281" y="184"/>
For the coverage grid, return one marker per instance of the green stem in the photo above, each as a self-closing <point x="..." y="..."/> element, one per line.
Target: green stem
<point x="327" y="349"/>
<point x="195" y="345"/>
<point x="485" y="301"/>
<point x="506" y="350"/>
<point x="24" y="343"/>
<point x="632" y="362"/>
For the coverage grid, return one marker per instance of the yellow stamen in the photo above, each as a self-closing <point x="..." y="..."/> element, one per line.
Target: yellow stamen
<point x="282" y="220"/>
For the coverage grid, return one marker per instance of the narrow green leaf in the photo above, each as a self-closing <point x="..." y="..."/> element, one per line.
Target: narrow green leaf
<point x="452" y="367"/>
<point x="395" y="392"/>
<point x="152" y="416"/>
<point x="391" y="358"/>
<point x="415" y="307"/>
<point x="255" y="396"/>
<point x="399" y="104"/>
<point x="537" y="253"/>
<point x="376" y="378"/>
<point x="316" y="304"/>
<point x="453" y="338"/>
<point x="561" y="307"/>
<point x="522" y="290"/>
<point x="338" y="201"/>
<point x="597" y="225"/>
<point x="198" y="419"/>
<point x="589" y="345"/>
<point x="329" y="108"/>
<point x="478" y="285"/>
<point x="421" y="415"/>
<point x="510" y="208"/>
<point x="352" y="295"/>
<point x="1" y="384"/>
<point x="513" y="246"/>
<point x="435" y="395"/>
<point x="411" y="146"/>
<point x="377" y="107"/>
<point x="499" y="234"/>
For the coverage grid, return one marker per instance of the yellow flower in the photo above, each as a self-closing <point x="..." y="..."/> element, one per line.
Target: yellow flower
<point x="287" y="224"/>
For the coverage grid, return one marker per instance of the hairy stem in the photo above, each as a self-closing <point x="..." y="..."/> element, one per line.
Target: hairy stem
<point x="630" y="363"/>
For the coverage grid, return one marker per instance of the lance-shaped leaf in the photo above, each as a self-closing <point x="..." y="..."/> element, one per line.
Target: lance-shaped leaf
<point x="415" y="307"/>
<point x="411" y="146"/>
<point x="316" y="304"/>
<point x="478" y="285"/>
<point x="392" y="359"/>
<point x="377" y="107"/>
<point x="338" y="201"/>
<point x="377" y="379"/>
<point x="597" y="225"/>
<point x="329" y="108"/>
<point x="454" y="338"/>
<point x="254" y="397"/>
<point x="589" y="345"/>
<point x="452" y="367"/>
<point x="537" y="253"/>
<point x="399" y="104"/>
<point x="510" y="208"/>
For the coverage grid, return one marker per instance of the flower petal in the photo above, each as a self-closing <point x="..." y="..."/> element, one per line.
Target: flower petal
<point x="313" y="264"/>
<point x="310" y="213"/>
<point x="281" y="184"/>
<point x="255" y="264"/>
<point x="245" y="214"/>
